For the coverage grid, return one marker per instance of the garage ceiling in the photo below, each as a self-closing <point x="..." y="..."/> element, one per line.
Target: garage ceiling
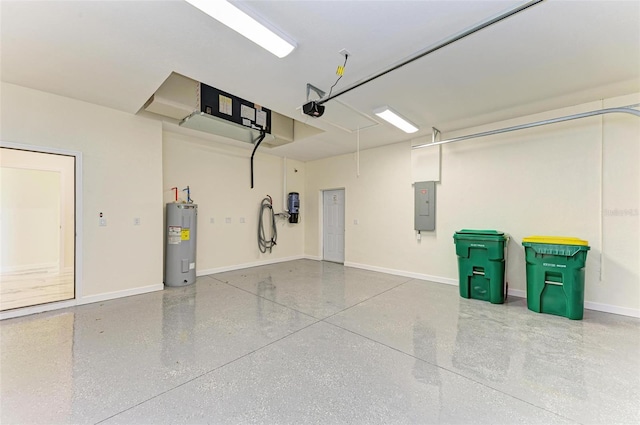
<point x="117" y="53"/>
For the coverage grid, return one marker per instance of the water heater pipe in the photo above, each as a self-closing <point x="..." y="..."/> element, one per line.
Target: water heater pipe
<point x="188" y="190"/>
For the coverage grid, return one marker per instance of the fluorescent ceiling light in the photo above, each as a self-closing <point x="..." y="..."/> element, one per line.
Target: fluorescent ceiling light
<point x="394" y="118"/>
<point x="239" y="21"/>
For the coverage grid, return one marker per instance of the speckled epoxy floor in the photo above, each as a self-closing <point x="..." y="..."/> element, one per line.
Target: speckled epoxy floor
<point x="313" y="342"/>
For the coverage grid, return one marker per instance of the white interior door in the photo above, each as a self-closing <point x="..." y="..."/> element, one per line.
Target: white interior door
<point x="333" y="225"/>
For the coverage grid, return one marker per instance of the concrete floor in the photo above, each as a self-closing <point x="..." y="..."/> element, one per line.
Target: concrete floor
<point x="312" y="342"/>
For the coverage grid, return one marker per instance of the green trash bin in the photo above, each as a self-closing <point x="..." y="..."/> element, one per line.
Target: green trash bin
<point x="555" y="275"/>
<point x="481" y="264"/>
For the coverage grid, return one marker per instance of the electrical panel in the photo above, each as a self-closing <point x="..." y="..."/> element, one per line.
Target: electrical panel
<point x="425" y="206"/>
<point x="234" y="109"/>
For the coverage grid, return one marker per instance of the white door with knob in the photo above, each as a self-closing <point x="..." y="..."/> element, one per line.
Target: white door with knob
<point x="333" y="225"/>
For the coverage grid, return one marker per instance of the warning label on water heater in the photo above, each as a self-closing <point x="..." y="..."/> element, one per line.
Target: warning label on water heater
<point x="185" y="234"/>
<point x="174" y="235"/>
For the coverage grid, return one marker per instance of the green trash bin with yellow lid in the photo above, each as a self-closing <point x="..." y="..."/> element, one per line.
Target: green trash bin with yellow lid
<point x="555" y="275"/>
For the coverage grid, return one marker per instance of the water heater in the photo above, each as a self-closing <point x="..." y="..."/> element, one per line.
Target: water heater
<point x="180" y="260"/>
<point x="293" y="205"/>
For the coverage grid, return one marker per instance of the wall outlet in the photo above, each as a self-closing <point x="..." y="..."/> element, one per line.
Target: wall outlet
<point x="241" y="219"/>
<point x="227" y="220"/>
<point x="356" y="221"/>
<point x="211" y="220"/>
<point x="136" y="221"/>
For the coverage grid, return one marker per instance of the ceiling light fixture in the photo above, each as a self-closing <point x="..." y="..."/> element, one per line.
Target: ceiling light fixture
<point x="396" y="119"/>
<point x="244" y="24"/>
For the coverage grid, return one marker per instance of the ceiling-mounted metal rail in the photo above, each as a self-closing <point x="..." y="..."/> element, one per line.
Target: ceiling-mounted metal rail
<point x="431" y="49"/>
<point x="625" y="109"/>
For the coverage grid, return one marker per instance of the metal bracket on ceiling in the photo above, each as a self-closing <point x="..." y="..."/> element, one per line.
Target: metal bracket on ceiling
<point x="319" y="92"/>
<point x="434" y="134"/>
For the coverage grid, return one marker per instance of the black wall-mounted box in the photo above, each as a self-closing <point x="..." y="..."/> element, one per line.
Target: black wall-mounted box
<point x="234" y="109"/>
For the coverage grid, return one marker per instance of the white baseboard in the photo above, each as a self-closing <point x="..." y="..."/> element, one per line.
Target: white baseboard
<point x="248" y="265"/>
<point x="312" y="257"/>
<point x="590" y="305"/>
<point x="519" y="293"/>
<point x="80" y="301"/>
<point x="120" y="294"/>
<point x="413" y="275"/>
<point x="606" y="308"/>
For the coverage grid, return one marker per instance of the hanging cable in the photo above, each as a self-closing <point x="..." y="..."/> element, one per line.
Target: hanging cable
<point x="340" y="73"/>
<point x="265" y="244"/>
<point x="257" y="143"/>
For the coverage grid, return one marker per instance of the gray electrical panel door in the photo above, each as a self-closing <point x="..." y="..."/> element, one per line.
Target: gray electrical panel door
<point x="425" y="206"/>
<point x="180" y="260"/>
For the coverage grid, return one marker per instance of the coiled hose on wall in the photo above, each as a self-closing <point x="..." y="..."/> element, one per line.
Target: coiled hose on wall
<point x="265" y="244"/>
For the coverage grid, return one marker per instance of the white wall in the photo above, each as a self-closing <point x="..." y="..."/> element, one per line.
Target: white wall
<point x="122" y="178"/>
<point x="219" y="178"/>
<point x="537" y="181"/>
<point x="543" y="181"/>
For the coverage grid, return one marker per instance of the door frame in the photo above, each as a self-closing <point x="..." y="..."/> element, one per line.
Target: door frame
<point x="78" y="231"/>
<point x="321" y="221"/>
